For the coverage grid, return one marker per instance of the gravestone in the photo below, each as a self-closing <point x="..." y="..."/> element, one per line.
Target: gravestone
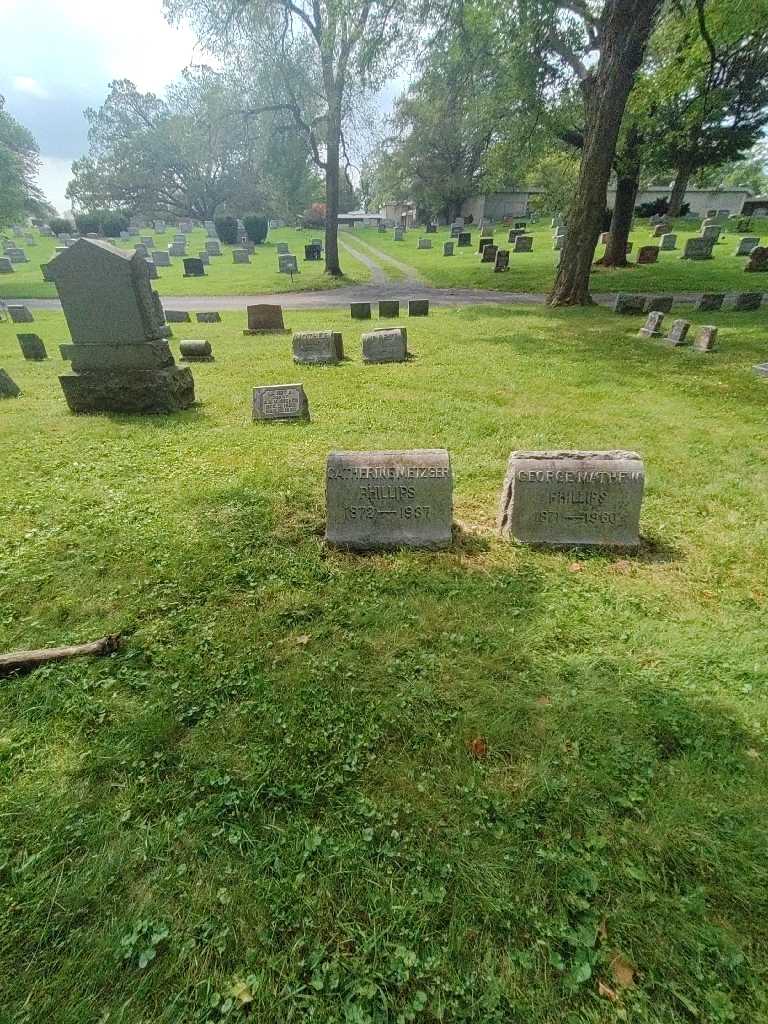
<point x="678" y="333"/>
<point x="44" y="271"/>
<point x="180" y="239"/>
<point x="706" y="339"/>
<point x="193" y="267"/>
<point x="6" y="267"/>
<point x="360" y="310"/>
<point x="8" y="387"/>
<point x="743" y="302"/>
<point x="425" y="243"/>
<point x="317" y="347"/>
<point x="16" y="255"/>
<point x="32" y="347"/>
<point x="520" y="224"/>
<point x="455" y="231"/>
<point x="758" y="260"/>
<point x="464" y="239"/>
<point x="213" y="247"/>
<point x="398" y="234"/>
<point x="746" y="245"/>
<point x="204" y="257"/>
<point x="177" y="316"/>
<point x="488" y="254"/>
<point x="648" y="254"/>
<point x="240" y="256"/>
<point x="697" y="249"/>
<point x="385" y="345"/>
<point x="177" y="249"/>
<point x="628" y="303"/>
<point x="160" y="226"/>
<point x="195" y="351"/>
<point x="502" y="260"/>
<point x="484" y="240"/>
<point x="287" y="264"/>
<point x="121" y="361"/>
<point x="668" y="242"/>
<point x="514" y="233"/>
<point x="281" y="248"/>
<point x="20" y="314"/>
<point x="389" y="309"/>
<point x="709" y="301"/>
<point x="393" y="499"/>
<point x="658" y="303"/>
<point x="431" y="229"/>
<point x="660" y="229"/>
<point x="711" y="233"/>
<point x="265" y="319"/>
<point x="711" y="213"/>
<point x="573" y="498"/>
<point x="139" y="250"/>
<point x="524" y="243"/>
<point x="280" y="402"/>
<point x="208" y="318"/>
<point x="381" y="228"/>
<point x="447" y="248"/>
<point x="418" y="307"/>
<point x="313" y="252"/>
<point x="652" y="326"/>
<point x="161" y="258"/>
<point x="710" y="222"/>
<point x="152" y="267"/>
<point x="147" y="240"/>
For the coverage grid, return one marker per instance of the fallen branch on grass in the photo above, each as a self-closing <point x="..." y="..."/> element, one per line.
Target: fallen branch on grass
<point x="25" y="661"/>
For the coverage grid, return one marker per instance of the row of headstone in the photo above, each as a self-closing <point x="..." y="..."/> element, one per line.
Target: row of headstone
<point x="677" y="336"/>
<point x="629" y="303"/>
<point x="384" y="345"/>
<point x="388" y="309"/>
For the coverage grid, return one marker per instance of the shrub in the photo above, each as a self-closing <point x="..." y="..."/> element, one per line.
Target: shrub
<point x="87" y="223"/>
<point x="226" y="229"/>
<point x="61" y="226"/>
<point x="314" y="216"/>
<point x="256" y="227"/>
<point x="658" y="207"/>
<point x="113" y="224"/>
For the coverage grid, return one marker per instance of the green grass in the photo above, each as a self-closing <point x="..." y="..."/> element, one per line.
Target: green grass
<point x="223" y="277"/>
<point x="270" y="783"/>
<point x="533" y="272"/>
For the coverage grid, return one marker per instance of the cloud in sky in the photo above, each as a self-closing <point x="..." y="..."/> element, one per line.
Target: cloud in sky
<point x="31" y="86"/>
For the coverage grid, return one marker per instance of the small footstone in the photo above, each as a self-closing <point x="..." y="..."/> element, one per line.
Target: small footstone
<point x="628" y="303"/>
<point x="678" y="333"/>
<point x="744" y="302"/>
<point x="418" y="307"/>
<point x="317" y="347"/>
<point x="387" y="345"/>
<point x="573" y="498"/>
<point x="20" y="314"/>
<point x="658" y="304"/>
<point x="280" y="402"/>
<point x="32" y="347"/>
<point x="8" y="387"/>
<point x="652" y="326"/>
<point x="177" y="316"/>
<point x="706" y="339"/>
<point x="360" y="310"/>
<point x="208" y="318"/>
<point x="389" y="308"/>
<point x="195" y="351"/>
<point x="709" y="302"/>
<point x="383" y="500"/>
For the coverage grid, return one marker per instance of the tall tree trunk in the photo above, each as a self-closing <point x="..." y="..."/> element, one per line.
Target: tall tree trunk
<point x="627" y="186"/>
<point x="625" y="27"/>
<point x="679" y="188"/>
<point x="333" y="147"/>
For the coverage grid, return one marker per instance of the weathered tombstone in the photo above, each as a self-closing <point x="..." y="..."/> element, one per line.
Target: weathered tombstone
<point x="385" y="345"/>
<point x="193" y="267"/>
<point x="658" y="303"/>
<point x="8" y="387"/>
<point x="152" y="267"/>
<point x="425" y="243"/>
<point x="398" y="234"/>
<point x="195" y="351"/>
<point x="208" y="318"/>
<point x="447" y="248"/>
<point x="204" y="257"/>
<point x="6" y="267"/>
<point x="281" y="248"/>
<point x="431" y="229"/>
<point x="213" y="247"/>
<point x="280" y="402"/>
<point x="317" y="347"/>
<point x="360" y="310"/>
<point x="648" y="254"/>
<point x="488" y="253"/>
<point x="381" y="228"/>
<point x="455" y="230"/>
<point x="140" y="250"/>
<point x="661" y="229"/>
<point x="501" y="262"/>
<point x="697" y="249"/>
<point x="746" y="245"/>
<point x="20" y="314"/>
<point x="160" y="226"/>
<point x="711" y="233"/>
<point x="239" y="256"/>
<point x="706" y="339"/>
<point x="265" y="319"/>
<point x="464" y="239"/>
<point x="180" y="239"/>
<point x="16" y="255"/>
<point x="161" y="258"/>
<point x="514" y="233"/>
<point x="484" y="240"/>
<point x="32" y="347"/>
<point x="287" y="264"/>
<point x="711" y="213"/>
<point x="524" y="243"/>
<point x="709" y="301"/>
<point x="758" y="260"/>
<point x="668" y="242"/>
<point x="652" y="326"/>
<point x="573" y="498"/>
<point x="313" y="252"/>
<point x="44" y="271"/>
<point x="744" y="302"/>
<point x="389" y="308"/>
<point x="627" y="303"/>
<point x="418" y="307"/>
<point x="709" y="222"/>
<point x="177" y="316"/>
<point x="177" y="249"/>
<point x="120" y="358"/>
<point x="389" y="499"/>
<point x="678" y="333"/>
<point x="723" y="213"/>
<point x="147" y="240"/>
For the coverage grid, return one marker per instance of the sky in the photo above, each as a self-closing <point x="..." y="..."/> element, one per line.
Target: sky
<point x="59" y="56"/>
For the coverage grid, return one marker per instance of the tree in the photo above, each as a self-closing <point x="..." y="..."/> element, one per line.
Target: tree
<point x="19" y="166"/>
<point x="319" y="54"/>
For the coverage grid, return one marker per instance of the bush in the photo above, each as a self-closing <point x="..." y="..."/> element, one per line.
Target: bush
<point x="313" y="216"/>
<point x="113" y="224"/>
<point x="256" y="227"/>
<point x="658" y="208"/>
<point x="226" y="229"/>
<point x="60" y="226"/>
<point x="87" y="223"/>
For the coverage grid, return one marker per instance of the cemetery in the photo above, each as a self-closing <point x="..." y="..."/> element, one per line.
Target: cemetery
<point x="384" y="531"/>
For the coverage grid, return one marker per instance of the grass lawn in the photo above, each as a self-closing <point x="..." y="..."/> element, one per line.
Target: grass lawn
<point x="533" y="272"/>
<point x="266" y="798"/>
<point x="223" y="277"/>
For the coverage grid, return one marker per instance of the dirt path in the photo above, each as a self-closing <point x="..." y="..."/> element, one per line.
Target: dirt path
<point x="378" y="275"/>
<point x="412" y="277"/>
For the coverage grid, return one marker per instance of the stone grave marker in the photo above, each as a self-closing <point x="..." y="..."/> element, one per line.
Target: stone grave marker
<point x="121" y="361"/>
<point x="758" y="260"/>
<point x="193" y="267"/>
<point x="697" y="249"/>
<point x="705" y="339"/>
<point x="152" y="267"/>
<point x="195" y="351"/>
<point x="8" y="387"/>
<point x="287" y="264"/>
<point x="204" y="257"/>
<point x="140" y="250"/>
<point x="501" y="262"/>
<point x="431" y="229"/>
<point x="746" y="245"/>
<point x="389" y="309"/>
<point x="177" y="249"/>
<point x="16" y="255"/>
<point x="317" y="347"/>
<point x="464" y="239"/>
<point x="20" y="314"/>
<point x="484" y="240"/>
<point x="447" y="248"/>
<point x="652" y="326"/>
<point x="418" y="307"/>
<point x="281" y="248"/>
<point x="628" y="303"/>
<point x="360" y="310"/>
<point x="177" y="316"/>
<point x="744" y="302"/>
<point x="710" y="222"/>
<point x="240" y="256"/>
<point x="524" y="243"/>
<point x="6" y="267"/>
<point x="398" y="234"/>
<point x="213" y="247"/>
<point x="425" y="243"/>
<point x="382" y="499"/>
<point x="648" y="254"/>
<point x="709" y="301"/>
<point x="161" y="258"/>
<point x="455" y="230"/>
<point x="264" y="318"/>
<point x="660" y="229"/>
<point x="280" y="402"/>
<point x="573" y="498"/>
<point x="313" y="252"/>
<point x="385" y="345"/>
<point x="32" y="347"/>
<point x="514" y="233"/>
<point x="711" y="233"/>
<point x="488" y="254"/>
<point x="710" y="213"/>
<point x="147" y="240"/>
<point x="658" y="303"/>
<point x="678" y="333"/>
<point x="211" y="317"/>
<point x="44" y="271"/>
<point x="668" y="242"/>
